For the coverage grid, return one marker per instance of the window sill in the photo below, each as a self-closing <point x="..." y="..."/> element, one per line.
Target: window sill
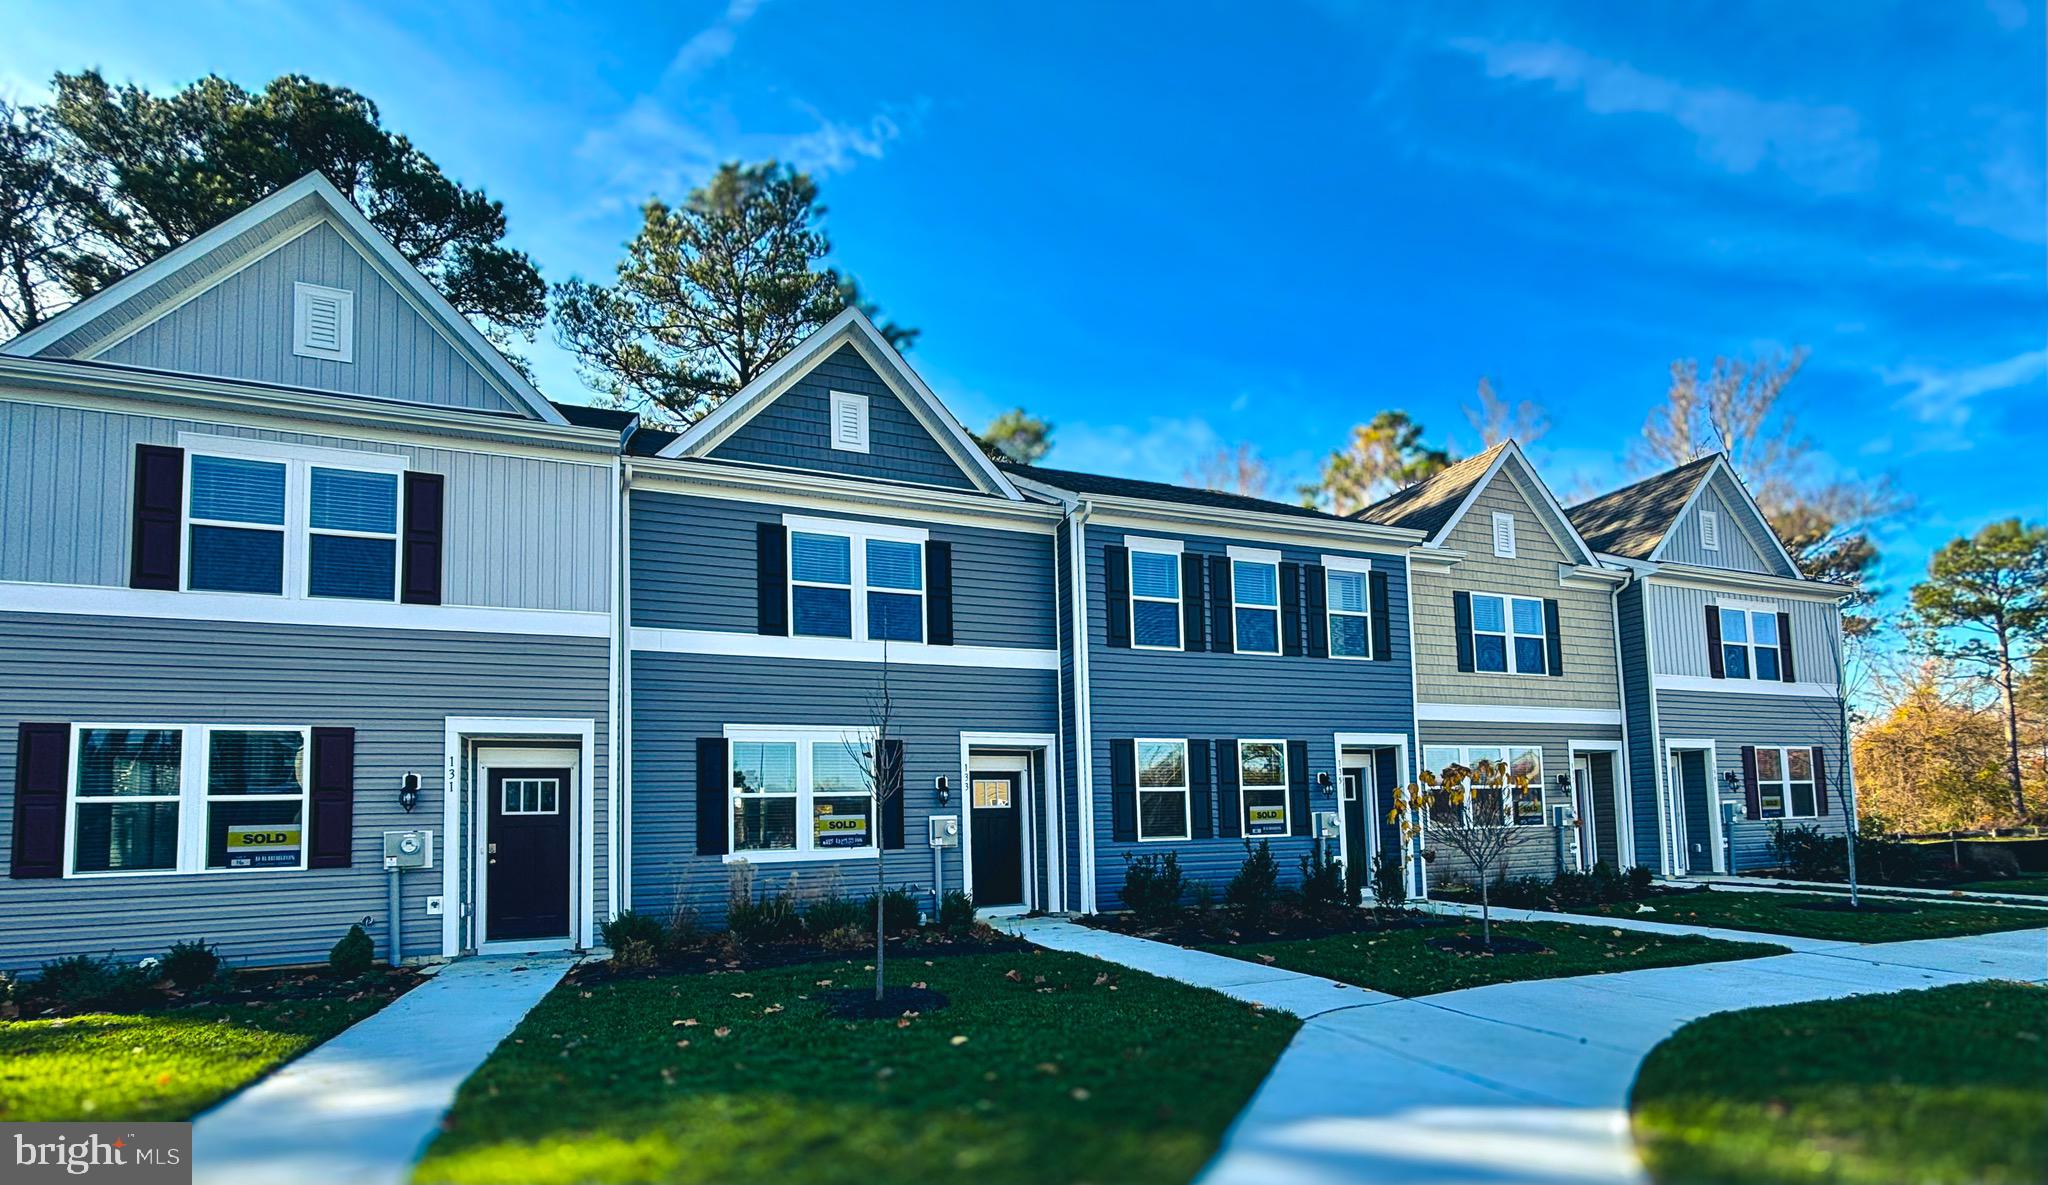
<point x="786" y="857"/>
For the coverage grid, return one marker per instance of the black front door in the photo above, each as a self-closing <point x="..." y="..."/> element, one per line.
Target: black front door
<point x="1356" y="786"/>
<point x="997" y="800"/>
<point x="526" y="881"/>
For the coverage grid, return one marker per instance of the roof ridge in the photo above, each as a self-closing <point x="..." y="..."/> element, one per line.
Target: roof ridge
<point x="1643" y="481"/>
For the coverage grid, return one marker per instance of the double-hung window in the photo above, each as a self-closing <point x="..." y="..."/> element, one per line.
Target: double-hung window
<point x="856" y="580"/>
<point x="1255" y="600"/>
<point x="281" y="520"/>
<point x="1508" y="635"/>
<point x="187" y="798"/>
<point x="1785" y="783"/>
<point x="799" y="793"/>
<point x="1506" y="764"/>
<point x="1749" y="644"/>
<point x="1164" y="811"/>
<point x="1349" y="613"/>
<point x="1155" y="597"/>
<point x="1262" y="784"/>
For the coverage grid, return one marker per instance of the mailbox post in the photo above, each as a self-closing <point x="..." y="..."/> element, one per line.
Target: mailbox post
<point x="945" y="833"/>
<point x="402" y="850"/>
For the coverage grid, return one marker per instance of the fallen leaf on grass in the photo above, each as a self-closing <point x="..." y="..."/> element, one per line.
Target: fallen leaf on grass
<point x="1080" y="1094"/>
<point x="1013" y="975"/>
<point x="959" y="1039"/>
<point x="722" y="1031"/>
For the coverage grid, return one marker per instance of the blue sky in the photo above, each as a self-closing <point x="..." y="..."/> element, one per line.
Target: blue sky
<point x="1170" y="228"/>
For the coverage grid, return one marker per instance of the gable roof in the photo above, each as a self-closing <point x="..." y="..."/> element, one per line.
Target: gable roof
<point x="852" y="327"/>
<point x="1438" y="503"/>
<point x="203" y="260"/>
<point x="1632" y="521"/>
<point x="1158" y="491"/>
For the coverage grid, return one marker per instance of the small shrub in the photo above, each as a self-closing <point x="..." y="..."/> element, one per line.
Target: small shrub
<point x="1322" y="878"/>
<point x="77" y="980"/>
<point x="1805" y="854"/>
<point x="956" y="913"/>
<point x="900" y="910"/>
<point x="1257" y="884"/>
<point x="636" y="939"/>
<point x="1389" y="881"/>
<point x="353" y="954"/>
<point x="774" y="918"/>
<point x="826" y="914"/>
<point x="847" y="938"/>
<point x="1639" y="878"/>
<point x="685" y="929"/>
<point x="1202" y="895"/>
<point x="1153" y="886"/>
<point x="1607" y="884"/>
<point x="190" y="965"/>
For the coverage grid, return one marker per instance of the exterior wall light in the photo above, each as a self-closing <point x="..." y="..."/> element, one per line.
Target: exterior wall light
<point x="944" y="788"/>
<point x="409" y="792"/>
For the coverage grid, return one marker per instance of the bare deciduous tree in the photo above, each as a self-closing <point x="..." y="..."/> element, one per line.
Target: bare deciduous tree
<point x="1237" y="470"/>
<point x="1495" y="419"/>
<point x="1470" y="810"/>
<point x="879" y="757"/>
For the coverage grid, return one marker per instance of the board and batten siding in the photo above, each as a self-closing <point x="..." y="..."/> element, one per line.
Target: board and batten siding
<point x="1638" y="712"/>
<point x="242" y="328"/>
<point x="1741" y="550"/>
<point x="678" y="698"/>
<point x="1586" y="615"/>
<point x="1210" y="696"/>
<point x="1732" y="720"/>
<point x="694" y="568"/>
<point x="395" y="688"/>
<point x="1535" y="855"/>
<point x="521" y="532"/>
<point x="794" y="431"/>
<point x="1678" y="621"/>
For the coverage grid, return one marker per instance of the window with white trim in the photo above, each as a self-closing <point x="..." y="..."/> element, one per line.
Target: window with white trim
<point x="856" y="580"/>
<point x="801" y="793"/>
<point x="1521" y="808"/>
<point x="1350" y="608"/>
<point x="1508" y="635"/>
<point x="1164" y="809"/>
<point x="1785" y="784"/>
<point x="1504" y="535"/>
<point x="1155" y="599"/>
<point x="530" y="796"/>
<point x="1749" y="644"/>
<point x="186" y="798"/>
<point x="267" y="520"/>
<point x="323" y="322"/>
<point x="849" y="422"/>
<point x="1262" y="786"/>
<point x="1255" y="605"/>
<point x="1710" y="530"/>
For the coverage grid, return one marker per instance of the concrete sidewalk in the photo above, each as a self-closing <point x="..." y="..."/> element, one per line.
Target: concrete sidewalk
<point x="1641" y="922"/>
<point x="360" y="1109"/>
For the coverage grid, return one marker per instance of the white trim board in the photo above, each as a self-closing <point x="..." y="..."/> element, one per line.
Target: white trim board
<point x="89" y="600"/>
<point x="1503" y="714"/>
<point x="457" y="733"/>
<point x="675" y="641"/>
<point x="1050" y="846"/>
<point x="1757" y="521"/>
<point x="1826" y="691"/>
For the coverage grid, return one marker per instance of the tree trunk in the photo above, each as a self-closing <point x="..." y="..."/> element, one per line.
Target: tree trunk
<point x="881" y="878"/>
<point x="1485" y="914"/>
<point x="2007" y="701"/>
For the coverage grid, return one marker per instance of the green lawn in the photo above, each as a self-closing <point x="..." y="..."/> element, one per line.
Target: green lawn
<point x="1780" y="913"/>
<point x="1398" y="962"/>
<point x="1948" y="1085"/>
<point x="1046" y="1067"/>
<point x="156" y="1065"/>
<point x="2025" y="886"/>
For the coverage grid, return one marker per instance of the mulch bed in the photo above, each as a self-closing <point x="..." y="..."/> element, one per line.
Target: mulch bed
<point x="717" y="957"/>
<point x="266" y="986"/>
<point x="1870" y="905"/>
<point x="1203" y="927"/>
<point x="1470" y="944"/>
<point x="860" y="1003"/>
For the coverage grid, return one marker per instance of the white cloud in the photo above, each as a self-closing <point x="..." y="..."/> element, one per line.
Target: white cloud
<point x="1164" y="450"/>
<point x="1820" y="146"/>
<point x="1945" y="399"/>
<point x="711" y="45"/>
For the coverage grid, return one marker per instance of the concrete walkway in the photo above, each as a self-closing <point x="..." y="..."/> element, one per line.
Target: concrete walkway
<point x="361" y="1108"/>
<point x="1641" y="922"/>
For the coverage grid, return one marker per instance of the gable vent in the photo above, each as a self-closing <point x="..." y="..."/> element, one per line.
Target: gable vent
<point x="1504" y="535"/>
<point x="1710" y="530"/>
<point x="323" y="322"/>
<point x="849" y="422"/>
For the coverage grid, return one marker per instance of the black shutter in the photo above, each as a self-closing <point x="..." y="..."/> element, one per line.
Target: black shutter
<point x="1714" y="666"/>
<point x="938" y="593"/>
<point x="42" y="759"/>
<point x="891" y="775"/>
<point x="425" y="513"/>
<point x="771" y="579"/>
<point x="1553" y="635"/>
<point x="1752" y="799"/>
<point x="1222" y="625"/>
<point x="1461" y="621"/>
<point x="1229" y="811"/>
<point x="1820" y="778"/>
<point x="1290" y="610"/>
<point x="1123" y="790"/>
<point x="1193" y="605"/>
<point x="714" y="818"/>
<point x="1298" y="788"/>
<point x="1382" y="618"/>
<point x="1116" y="590"/>
<point x="155" y="540"/>
<point x="1785" y="672"/>
<point x="334" y="798"/>
<point x="1316" y="583"/>
<point x="1202" y="808"/>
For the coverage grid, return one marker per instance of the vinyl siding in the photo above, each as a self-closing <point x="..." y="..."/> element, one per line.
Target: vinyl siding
<point x="694" y="561"/>
<point x="1209" y="696"/>
<point x="678" y="698"/>
<point x="242" y="328"/>
<point x="1586" y="614"/>
<point x="1678" y="617"/>
<point x="1536" y="855"/>
<point x="1732" y="721"/>
<point x="395" y="688"/>
<point x="794" y="430"/>
<point x="521" y="532"/>
<point x="1644" y="769"/>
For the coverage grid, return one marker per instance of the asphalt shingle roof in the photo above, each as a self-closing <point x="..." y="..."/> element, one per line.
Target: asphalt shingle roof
<point x="1428" y="504"/>
<point x="1634" y="519"/>
<point x="585" y="416"/>
<point x="1158" y="491"/>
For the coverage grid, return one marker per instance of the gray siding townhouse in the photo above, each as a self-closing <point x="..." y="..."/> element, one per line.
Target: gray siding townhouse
<point x="1516" y="663"/>
<point x="1732" y="672"/>
<point x="1239" y="670"/>
<point x="290" y="559"/>
<point x="831" y="535"/>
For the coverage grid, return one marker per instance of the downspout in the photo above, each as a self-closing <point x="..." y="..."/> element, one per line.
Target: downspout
<point x="1413" y="855"/>
<point x="1621" y="693"/>
<point x="1848" y="754"/>
<point x="1055" y="762"/>
<point x="621" y="870"/>
<point x="1084" y="726"/>
<point x="1658" y="758"/>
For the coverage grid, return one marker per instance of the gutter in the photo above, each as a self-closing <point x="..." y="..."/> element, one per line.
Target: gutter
<point x="1077" y="515"/>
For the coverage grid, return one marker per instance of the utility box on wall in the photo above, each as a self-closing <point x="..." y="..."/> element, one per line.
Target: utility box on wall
<point x="945" y="830"/>
<point x="408" y="849"/>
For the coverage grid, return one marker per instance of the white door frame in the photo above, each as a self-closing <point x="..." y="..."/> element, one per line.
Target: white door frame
<point x="1682" y="866"/>
<point x="1043" y="840"/>
<point x="1623" y="805"/>
<point x="486" y="756"/>
<point x="461" y="736"/>
<point x="1397" y="741"/>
